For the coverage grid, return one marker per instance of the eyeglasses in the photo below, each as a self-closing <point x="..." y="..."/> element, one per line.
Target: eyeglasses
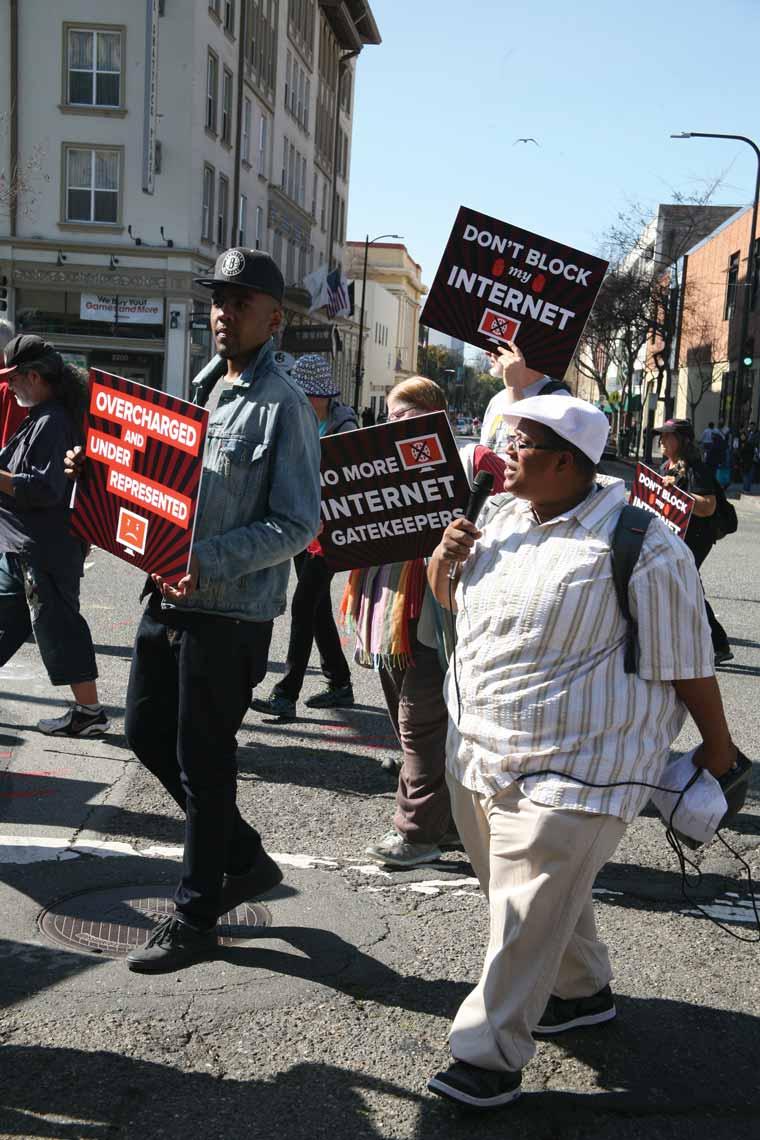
<point x="514" y="444"/>
<point x="399" y="415"/>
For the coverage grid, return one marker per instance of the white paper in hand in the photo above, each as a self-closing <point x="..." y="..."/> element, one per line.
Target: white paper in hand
<point x="701" y="809"/>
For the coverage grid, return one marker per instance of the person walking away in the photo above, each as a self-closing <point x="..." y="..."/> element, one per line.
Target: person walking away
<point x="550" y="736"/>
<point x="368" y="417"/>
<point x="399" y="633"/>
<point x="311" y="611"/>
<point x="683" y="468"/>
<point x="41" y="562"/>
<point x="746" y="460"/>
<point x="12" y="414"/>
<point x="203" y="644"/>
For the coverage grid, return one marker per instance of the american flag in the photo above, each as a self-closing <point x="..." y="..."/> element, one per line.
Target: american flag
<point x="339" y="303"/>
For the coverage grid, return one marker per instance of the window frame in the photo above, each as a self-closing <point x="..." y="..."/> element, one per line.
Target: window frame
<point x="262" y="164"/>
<point x="246" y="130"/>
<point x="225" y="134"/>
<point x="222" y="211"/>
<point x="228" y="17"/>
<point x="242" y="223"/>
<point x="212" y="100"/>
<point x="91" y="223"/>
<point x="207" y="230"/>
<point x="93" y="27"/>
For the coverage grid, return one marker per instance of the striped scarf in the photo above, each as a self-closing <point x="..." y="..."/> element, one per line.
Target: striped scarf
<point x="378" y="604"/>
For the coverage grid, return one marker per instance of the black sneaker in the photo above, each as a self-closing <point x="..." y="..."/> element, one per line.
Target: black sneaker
<point x="275" y="705"/>
<point x="237" y="889"/>
<point x="76" y="721"/>
<point x="340" y="698"/>
<point x="575" y="1013"/>
<point x="723" y="655"/>
<point x="172" y="945"/>
<point x="480" y="1088"/>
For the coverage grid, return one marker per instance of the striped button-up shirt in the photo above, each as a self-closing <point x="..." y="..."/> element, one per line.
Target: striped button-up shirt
<point x="539" y="661"/>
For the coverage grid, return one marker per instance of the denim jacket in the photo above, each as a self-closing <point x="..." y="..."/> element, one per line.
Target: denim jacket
<point x="259" y="495"/>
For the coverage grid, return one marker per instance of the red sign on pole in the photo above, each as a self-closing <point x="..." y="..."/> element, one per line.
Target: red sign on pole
<point x="673" y="505"/>
<point x="389" y="491"/>
<point x="136" y="497"/>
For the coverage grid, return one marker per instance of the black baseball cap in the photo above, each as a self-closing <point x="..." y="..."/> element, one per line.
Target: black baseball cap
<point x="682" y="427"/>
<point x="25" y="351"/>
<point x="248" y="268"/>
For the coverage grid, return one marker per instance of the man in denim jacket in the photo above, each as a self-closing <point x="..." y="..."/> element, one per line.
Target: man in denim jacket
<point x="203" y="645"/>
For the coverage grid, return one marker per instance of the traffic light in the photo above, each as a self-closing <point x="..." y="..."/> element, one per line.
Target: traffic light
<point x="748" y="359"/>
<point x="3" y="294"/>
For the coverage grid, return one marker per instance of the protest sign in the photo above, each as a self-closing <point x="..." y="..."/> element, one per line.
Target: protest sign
<point x="497" y="283"/>
<point x="389" y="491"/>
<point x="673" y="505"/>
<point x="137" y="494"/>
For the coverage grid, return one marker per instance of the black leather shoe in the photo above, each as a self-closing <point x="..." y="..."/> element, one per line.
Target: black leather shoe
<point x="479" y="1088"/>
<point x="172" y="946"/>
<point x="237" y="889"/>
<point x="562" y="1014"/>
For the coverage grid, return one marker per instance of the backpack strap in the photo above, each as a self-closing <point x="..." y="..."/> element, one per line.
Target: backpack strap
<point x="554" y="386"/>
<point x="627" y="541"/>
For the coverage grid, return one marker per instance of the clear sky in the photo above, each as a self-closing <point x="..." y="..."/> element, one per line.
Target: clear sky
<point x="599" y="83"/>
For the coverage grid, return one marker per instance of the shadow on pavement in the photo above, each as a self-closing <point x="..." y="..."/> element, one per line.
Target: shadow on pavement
<point x="334" y="769"/>
<point x="105" y="1095"/>
<point x="661" y="1072"/>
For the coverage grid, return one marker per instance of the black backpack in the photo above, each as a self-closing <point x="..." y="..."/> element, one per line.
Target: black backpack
<point x="627" y="539"/>
<point x="724" y="520"/>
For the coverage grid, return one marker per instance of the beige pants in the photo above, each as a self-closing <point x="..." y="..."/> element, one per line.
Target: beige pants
<point x="537" y="866"/>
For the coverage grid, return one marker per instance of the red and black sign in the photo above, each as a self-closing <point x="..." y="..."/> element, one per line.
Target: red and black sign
<point x="137" y="494"/>
<point x="673" y="505"/>
<point x="497" y="283"/>
<point x="389" y="491"/>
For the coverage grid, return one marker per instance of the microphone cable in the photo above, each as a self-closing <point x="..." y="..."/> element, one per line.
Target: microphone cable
<point x="670" y="831"/>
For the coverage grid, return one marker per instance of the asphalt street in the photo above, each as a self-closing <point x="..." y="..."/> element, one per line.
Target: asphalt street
<point x="328" y="1021"/>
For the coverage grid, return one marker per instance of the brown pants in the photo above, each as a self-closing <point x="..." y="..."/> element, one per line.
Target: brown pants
<point x="414" y="696"/>
<point x="537" y="866"/>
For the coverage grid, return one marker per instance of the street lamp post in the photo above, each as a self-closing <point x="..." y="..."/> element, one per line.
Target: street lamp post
<point x="358" y="377"/>
<point x="736" y="407"/>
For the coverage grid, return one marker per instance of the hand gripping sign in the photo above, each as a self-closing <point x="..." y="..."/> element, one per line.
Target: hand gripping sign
<point x="673" y="505"/>
<point x="497" y="283"/>
<point x="389" y="491"/>
<point x="137" y="494"/>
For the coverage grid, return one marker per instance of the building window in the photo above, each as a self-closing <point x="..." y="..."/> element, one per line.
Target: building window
<point x="246" y="140"/>
<point x="288" y="71"/>
<point x="242" y="220"/>
<point x="212" y="91"/>
<point x="345" y="95"/>
<point x="222" y="211"/>
<point x="92" y="185"/>
<point x="291" y="171"/>
<point x="277" y="249"/>
<point x="226" y="106"/>
<point x="94" y="61"/>
<point x="732" y="279"/>
<point x="207" y="210"/>
<point x="323" y="211"/>
<point x="229" y="16"/>
<point x="290" y="268"/>
<point x="285" y="152"/>
<point x="215" y="7"/>
<point x="307" y="99"/>
<point x="259" y="233"/>
<point x="314" y="190"/>
<point x="263" y="146"/>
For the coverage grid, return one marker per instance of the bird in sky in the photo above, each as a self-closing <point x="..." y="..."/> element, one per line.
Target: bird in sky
<point x="525" y="141"/>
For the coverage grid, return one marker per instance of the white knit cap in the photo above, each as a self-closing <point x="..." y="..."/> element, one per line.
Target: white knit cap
<point x="577" y="421"/>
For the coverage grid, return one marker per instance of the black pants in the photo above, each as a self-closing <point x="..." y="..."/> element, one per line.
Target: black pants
<point x="189" y="689"/>
<point x="311" y="619"/>
<point x="700" y="548"/>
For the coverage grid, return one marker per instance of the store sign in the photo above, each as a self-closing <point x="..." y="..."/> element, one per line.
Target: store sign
<point x="308" y="338"/>
<point x="120" y="310"/>
<point x="137" y="495"/>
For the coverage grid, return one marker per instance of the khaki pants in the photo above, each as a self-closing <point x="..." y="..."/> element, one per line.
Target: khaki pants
<point x="537" y="866"/>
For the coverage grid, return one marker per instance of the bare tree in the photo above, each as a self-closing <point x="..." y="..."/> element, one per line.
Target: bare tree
<point x="18" y="185"/>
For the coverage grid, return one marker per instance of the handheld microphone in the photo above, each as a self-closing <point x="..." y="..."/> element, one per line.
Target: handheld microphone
<point x="479" y="492"/>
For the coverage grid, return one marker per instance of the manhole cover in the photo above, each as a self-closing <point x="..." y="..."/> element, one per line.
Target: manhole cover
<point x="112" y="922"/>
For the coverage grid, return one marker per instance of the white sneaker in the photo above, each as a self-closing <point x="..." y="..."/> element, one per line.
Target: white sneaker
<point x="76" y="721"/>
<point x="396" y="851"/>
